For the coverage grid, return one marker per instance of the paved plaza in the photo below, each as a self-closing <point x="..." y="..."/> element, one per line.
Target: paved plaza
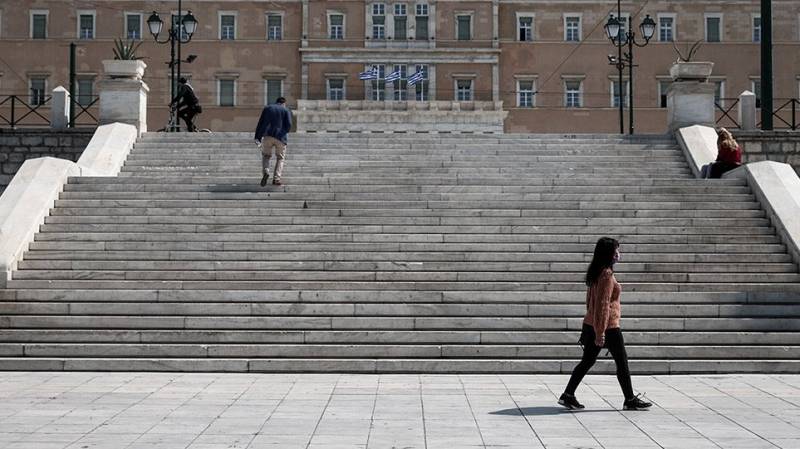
<point x="204" y="411"/>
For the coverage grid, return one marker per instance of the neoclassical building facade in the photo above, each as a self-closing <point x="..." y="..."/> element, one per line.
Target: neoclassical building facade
<point x="545" y="63"/>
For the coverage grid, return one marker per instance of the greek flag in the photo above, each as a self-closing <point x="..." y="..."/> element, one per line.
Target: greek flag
<point x="416" y="78"/>
<point x="371" y="74"/>
<point x="394" y="76"/>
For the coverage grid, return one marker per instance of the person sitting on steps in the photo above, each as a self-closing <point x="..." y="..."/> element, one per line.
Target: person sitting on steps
<point x="601" y="327"/>
<point x="187" y="103"/>
<point x="729" y="156"/>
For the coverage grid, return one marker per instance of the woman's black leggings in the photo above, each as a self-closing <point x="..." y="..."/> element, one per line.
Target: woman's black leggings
<point x="615" y="345"/>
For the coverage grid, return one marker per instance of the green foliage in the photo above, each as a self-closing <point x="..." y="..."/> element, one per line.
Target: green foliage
<point x="126" y="50"/>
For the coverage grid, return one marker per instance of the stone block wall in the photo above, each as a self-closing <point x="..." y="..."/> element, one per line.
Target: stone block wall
<point x="779" y="146"/>
<point x="19" y="145"/>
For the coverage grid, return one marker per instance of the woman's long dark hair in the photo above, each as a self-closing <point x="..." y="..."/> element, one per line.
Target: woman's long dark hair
<point x="603" y="258"/>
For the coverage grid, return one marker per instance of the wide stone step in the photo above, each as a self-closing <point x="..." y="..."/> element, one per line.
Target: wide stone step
<point x="760" y="324"/>
<point x="252" y="170"/>
<point x="406" y="188"/>
<point x="364" y="179"/>
<point x="423" y="163"/>
<point x="388" y="296"/>
<point x="384" y="337"/>
<point x="399" y="265"/>
<point x="400" y="275"/>
<point x="395" y="196"/>
<point x="271" y="247"/>
<point x="382" y="256"/>
<point x="336" y="351"/>
<point x="254" y="231"/>
<point x="306" y="220"/>
<point x="763" y="285"/>
<point x="436" y="156"/>
<point x="273" y="365"/>
<point x="377" y="237"/>
<point x="418" y="310"/>
<point x="439" y="214"/>
<point x="429" y="204"/>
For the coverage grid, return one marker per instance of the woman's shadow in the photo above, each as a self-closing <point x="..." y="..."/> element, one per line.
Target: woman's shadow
<point x="544" y="411"/>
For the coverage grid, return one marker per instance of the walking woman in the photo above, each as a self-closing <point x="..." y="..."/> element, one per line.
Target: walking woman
<point x="601" y="326"/>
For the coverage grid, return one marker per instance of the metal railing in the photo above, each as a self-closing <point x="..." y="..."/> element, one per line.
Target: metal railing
<point x="725" y="107"/>
<point x="84" y="111"/>
<point x="787" y="113"/>
<point x="20" y="111"/>
<point x="15" y="111"/>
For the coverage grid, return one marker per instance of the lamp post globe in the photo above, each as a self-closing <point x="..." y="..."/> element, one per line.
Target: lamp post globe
<point x="648" y="28"/>
<point x="189" y="23"/>
<point x="155" y="24"/>
<point x="612" y="28"/>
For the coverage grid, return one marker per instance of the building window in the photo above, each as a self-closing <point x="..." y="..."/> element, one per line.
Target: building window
<point x="464" y="90"/>
<point x="525" y="28"/>
<point x="227" y="27"/>
<point x="756" y="89"/>
<point x="133" y="26"/>
<point x="336" y="26"/>
<point x="226" y="89"/>
<point x="663" y="87"/>
<point x="714" y="28"/>
<point x="274" y="27"/>
<point x="86" y="25"/>
<point x="572" y="28"/>
<point x="335" y="89"/>
<point x="39" y="25"/>
<point x="756" y="28"/>
<point x="85" y="91"/>
<point x="400" y="22"/>
<point x="666" y="28"/>
<point x="421" y="88"/>
<point x="572" y="94"/>
<point x="615" y="93"/>
<point x="421" y="22"/>
<point x="400" y="85"/>
<point x="525" y="93"/>
<point x="378" y="21"/>
<point x="379" y="85"/>
<point x="273" y="89"/>
<point x="38" y="88"/>
<point x="464" y="27"/>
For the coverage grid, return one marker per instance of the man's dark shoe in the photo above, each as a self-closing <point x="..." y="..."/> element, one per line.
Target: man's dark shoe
<point x="635" y="403"/>
<point x="570" y="401"/>
<point x="264" y="179"/>
<point x="276" y="182"/>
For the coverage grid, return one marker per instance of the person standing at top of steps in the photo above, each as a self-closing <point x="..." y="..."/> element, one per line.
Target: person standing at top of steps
<point x="273" y="127"/>
<point x="601" y="327"/>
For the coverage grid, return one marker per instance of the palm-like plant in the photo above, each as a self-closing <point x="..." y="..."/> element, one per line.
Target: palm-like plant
<point x="126" y="50"/>
<point x="691" y="50"/>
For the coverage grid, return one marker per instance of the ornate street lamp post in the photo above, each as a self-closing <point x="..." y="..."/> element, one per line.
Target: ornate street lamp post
<point x="621" y="36"/>
<point x="185" y="24"/>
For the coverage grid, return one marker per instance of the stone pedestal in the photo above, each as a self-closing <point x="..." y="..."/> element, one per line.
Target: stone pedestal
<point x="123" y="95"/>
<point x="690" y="103"/>
<point x="59" y="108"/>
<point x="747" y="111"/>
